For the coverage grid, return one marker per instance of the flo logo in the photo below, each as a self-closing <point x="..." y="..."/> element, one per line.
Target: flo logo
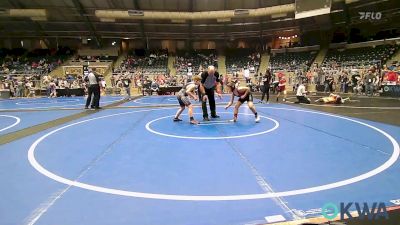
<point x="372" y="212"/>
<point x="370" y="15"/>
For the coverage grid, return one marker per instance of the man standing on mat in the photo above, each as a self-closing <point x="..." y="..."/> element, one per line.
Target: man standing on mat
<point x="210" y="81"/>
<point x="266" y="81"/>
<point x="93" y="88"/>
<point x="126" y="82"/>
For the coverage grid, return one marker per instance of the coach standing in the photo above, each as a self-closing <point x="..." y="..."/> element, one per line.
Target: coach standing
<point x="266" y="82"/>
<point x="93" y="88"/>
<point x="210" y="82"/>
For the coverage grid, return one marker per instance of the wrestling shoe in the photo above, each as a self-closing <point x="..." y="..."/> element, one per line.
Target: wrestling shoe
<point x="257" y="119"/>
<point x="194" y="122"/>
<point x="177" y="120"/>
<point x="206" y="119"/>
<point x="215" y="117"/>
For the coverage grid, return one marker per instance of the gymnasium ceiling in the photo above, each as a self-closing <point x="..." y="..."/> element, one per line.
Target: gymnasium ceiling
<point x="76" y="18"/>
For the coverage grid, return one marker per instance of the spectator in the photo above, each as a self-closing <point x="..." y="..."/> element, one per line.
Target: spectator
<point x="127" y="85"/>
<point x="369" y="81"/>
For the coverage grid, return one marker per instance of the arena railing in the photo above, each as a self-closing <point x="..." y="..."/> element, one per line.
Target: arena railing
<point x="296" y="49"/>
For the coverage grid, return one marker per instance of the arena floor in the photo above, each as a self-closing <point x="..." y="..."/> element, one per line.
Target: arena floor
<point x="130" y="164"/>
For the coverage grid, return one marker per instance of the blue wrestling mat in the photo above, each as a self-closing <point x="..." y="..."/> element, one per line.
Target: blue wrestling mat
<point x="137" y="166"/>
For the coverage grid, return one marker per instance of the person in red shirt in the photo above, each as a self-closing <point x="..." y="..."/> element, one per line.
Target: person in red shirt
<point x="281" y="88"/>
<point x="391" y="76"/>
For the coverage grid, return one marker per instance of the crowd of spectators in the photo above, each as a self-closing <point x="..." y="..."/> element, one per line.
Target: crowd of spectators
<point x="153" y="62"/>
<point x="292" y="61"/>
<point x="139" y="80"/>
<point x="23" y="72"/>
<point x="361" y="80"/>
<point x="144" y="69"/>
<point x="39" y="61"/>
<point x="359" y="57"/>
<point x="360" y="70"/>
<point x="27" y="86"/>
<point x="91" y="58"/>
<point x="191" y="63"/>
<point x="242" y="59"/>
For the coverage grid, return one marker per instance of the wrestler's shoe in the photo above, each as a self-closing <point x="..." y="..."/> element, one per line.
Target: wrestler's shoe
<point x="194" y="122"/>
<point x="215" y="116"/>
<point x="257" y="119"/>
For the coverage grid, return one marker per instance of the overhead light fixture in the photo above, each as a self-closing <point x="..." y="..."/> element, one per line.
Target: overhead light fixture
<point x="279" y="15"/>
<point x="135" y="13"/>
<point x="89" y="39"/>
<point x="178" y="21"/>
<point x="113" y="43"/>
<point x="241" y="12"/>
<point x="350" y="1"/>
<point x="28" y="12"/>
<point x="222" y="20"/>
<point x="39" y="18"/>
<point x="107" y="20"/>
<point x="3" y="11"/>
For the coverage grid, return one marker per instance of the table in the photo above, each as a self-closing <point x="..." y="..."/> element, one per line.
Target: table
<point x="4" y="94"/>
<point x="71" y="91"/>
<point x="172" y="89"/>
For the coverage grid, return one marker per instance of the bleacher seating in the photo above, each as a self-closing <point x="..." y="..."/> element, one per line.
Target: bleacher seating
<point x="358" y="57"/>
<point x="152" y="63"/>
<point x="193" y="61"/>
<point x="238" y="59"/>
<point x="38" y="61"/>
<point x="291" y="61"/>
<point x="90" y="58"/>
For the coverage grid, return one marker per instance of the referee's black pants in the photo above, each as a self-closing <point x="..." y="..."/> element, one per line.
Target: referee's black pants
<point x="265" y="90"/>
<point x="95" y="90"/>
<point x="211" y="100"/>
<point x="302" y="99"/>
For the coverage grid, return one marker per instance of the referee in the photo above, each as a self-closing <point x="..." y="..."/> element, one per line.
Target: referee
<point x="93" y="88"/>
<point x="210" y="81"/>
<point x="301" y="94"/>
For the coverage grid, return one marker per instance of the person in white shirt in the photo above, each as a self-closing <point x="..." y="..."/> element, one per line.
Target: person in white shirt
<point x="246" y="74"/>
<point x="302" y="94"/>
<point x="31" y="89"/>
